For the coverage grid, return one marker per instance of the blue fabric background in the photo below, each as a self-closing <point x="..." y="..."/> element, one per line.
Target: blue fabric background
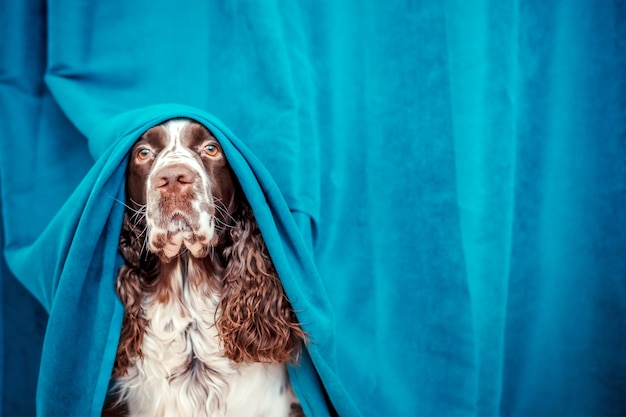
<point x="456" y="171"/>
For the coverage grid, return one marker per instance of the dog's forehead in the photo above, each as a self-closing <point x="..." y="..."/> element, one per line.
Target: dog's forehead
<point x="177" y="131"/>
<point x="187" y="132"/>
<point x="156" y="136"/>
<point x="194" y="133"/>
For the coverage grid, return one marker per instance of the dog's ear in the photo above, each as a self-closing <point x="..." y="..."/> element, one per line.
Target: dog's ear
<point x="257" y="322"/>
<point x="133" y="277"/>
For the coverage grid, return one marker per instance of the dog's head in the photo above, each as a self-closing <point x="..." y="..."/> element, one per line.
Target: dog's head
<point x="179" y="174"/>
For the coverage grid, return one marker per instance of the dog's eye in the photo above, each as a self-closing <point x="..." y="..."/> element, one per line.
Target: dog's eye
<point x="211" y="149"/>
<point x="143" y="154"/>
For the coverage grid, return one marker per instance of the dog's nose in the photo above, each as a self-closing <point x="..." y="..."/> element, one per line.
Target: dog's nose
<point x="173" y="179"/>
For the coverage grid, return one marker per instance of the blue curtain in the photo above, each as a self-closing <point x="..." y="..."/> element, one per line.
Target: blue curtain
<point x="443" y="184"/>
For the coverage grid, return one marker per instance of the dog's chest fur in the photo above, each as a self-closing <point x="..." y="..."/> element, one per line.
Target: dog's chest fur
<point x="183" y="371"/>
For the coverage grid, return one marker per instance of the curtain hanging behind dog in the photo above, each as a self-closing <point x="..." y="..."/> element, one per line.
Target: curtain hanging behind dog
<point x="457" y="170"/>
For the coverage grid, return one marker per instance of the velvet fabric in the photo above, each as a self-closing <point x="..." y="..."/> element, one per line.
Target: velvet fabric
<point x="441" y="184"/>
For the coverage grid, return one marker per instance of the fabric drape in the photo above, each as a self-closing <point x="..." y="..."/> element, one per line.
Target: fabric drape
<point x="443" y="185"/>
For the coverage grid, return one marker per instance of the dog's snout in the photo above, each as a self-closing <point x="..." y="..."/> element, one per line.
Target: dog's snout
<point x="174" y="179"/>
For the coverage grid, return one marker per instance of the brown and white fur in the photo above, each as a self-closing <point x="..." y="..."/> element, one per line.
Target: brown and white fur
<point x="207" y="327"/>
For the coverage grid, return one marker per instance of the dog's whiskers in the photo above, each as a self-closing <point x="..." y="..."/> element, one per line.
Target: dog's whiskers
<point x="141" y="207"/>
<point x="221" y="208"/>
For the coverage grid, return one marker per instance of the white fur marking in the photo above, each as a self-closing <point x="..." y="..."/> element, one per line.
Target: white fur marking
<point x="176" y="153"/>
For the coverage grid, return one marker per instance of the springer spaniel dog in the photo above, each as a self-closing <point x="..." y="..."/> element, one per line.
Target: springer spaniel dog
<point x="207" y="328"/>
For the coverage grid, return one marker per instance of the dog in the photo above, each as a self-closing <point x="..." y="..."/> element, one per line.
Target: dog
<point x="208" y="329"/>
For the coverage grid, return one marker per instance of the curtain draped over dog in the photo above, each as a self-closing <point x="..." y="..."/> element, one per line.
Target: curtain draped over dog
<point x="442" y="185"/>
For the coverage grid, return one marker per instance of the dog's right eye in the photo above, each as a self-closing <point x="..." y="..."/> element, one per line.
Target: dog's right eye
<point x="211" y="149"/>
<point x="143" y="153"/>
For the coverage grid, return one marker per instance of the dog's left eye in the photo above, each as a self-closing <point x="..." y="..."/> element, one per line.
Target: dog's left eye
<point x="211" y="149"/>
<point x="143" y="153"/>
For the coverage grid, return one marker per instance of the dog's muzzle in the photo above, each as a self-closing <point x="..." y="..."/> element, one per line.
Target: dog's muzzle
<point x="178" y="212"/>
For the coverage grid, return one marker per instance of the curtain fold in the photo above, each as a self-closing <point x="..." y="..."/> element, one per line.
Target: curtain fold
<point x="568" y="269"/>
<point x="453" y="177"/>
<point x="538" y="100"/>
<point x="391" y="220"/>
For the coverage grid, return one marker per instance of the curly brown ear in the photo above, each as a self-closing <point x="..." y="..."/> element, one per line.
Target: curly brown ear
<point x="257" y="322"/>
<point x="131" y="280"/>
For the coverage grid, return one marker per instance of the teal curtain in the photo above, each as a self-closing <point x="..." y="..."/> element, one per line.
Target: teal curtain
<point x="442" y="183"/>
